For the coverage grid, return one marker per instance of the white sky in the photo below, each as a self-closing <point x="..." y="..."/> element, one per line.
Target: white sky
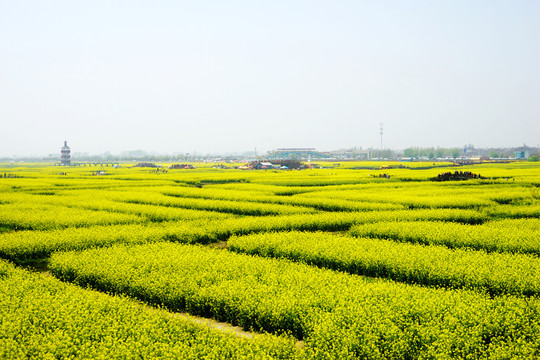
<point x="227" y="76"/>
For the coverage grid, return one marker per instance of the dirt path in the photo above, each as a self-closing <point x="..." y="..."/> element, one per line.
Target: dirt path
<point x="219" y="245"/>
<point x="211" y="323"/>
<point x="43" y="269"/>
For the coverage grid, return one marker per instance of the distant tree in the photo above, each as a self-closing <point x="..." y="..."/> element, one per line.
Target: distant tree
<point x="493" y="154"/>
<point x="383" y="154"/>
<point x="431" y="153"/>
<point x="411" y="152"/>
<point x="533" y="158"/>
<point x="291" y="164"/>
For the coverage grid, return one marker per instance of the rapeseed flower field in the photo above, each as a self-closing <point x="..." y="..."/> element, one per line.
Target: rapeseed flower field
<point x="330" y="263"/>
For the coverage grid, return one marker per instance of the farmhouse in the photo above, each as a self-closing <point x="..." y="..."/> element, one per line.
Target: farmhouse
<point x="264" y="165"/>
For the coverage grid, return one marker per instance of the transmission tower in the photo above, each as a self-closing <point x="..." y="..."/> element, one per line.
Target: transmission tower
<point x="381" y="132"/>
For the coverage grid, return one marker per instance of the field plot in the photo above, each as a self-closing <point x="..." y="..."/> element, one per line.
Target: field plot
<point x="333" y="263"/>
<point x="45" y="318"/>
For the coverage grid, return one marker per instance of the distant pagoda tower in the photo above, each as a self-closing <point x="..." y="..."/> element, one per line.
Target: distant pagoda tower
<point x="66" y="154"/>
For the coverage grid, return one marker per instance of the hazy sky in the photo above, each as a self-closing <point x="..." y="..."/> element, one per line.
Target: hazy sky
<point x="222" y="76"/>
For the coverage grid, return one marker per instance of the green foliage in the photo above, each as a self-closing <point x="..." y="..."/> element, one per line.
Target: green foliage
<point x="43" y="318"/>
<point x="417" y="264"/>
<point x="219" y="205"/>
<point x="23" y="246"/>
<point x="514" y="236"/>
<point x="29" y="216"/>
<point x="431" y="153"/>
<point x="479" y="237"/>
<point x="340" y="315"/>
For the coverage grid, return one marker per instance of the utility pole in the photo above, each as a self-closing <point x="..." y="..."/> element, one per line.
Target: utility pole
<point x="381" y="133"/>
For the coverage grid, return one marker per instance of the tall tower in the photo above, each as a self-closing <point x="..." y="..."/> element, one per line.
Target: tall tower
<point x="381" y="132"/>
<point x="66" y="154"/>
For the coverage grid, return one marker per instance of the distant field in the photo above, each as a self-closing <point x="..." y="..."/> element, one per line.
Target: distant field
<point x="331" y="263"/>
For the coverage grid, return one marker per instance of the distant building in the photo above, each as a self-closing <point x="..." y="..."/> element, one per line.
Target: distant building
<point x="351" y="154"/>
<point x="297" y="154"/>
<point x="263" y="165"/>
<point x="363" y="154"/>
<point x="523" y="152"/>
<point x="66" y="154"/>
